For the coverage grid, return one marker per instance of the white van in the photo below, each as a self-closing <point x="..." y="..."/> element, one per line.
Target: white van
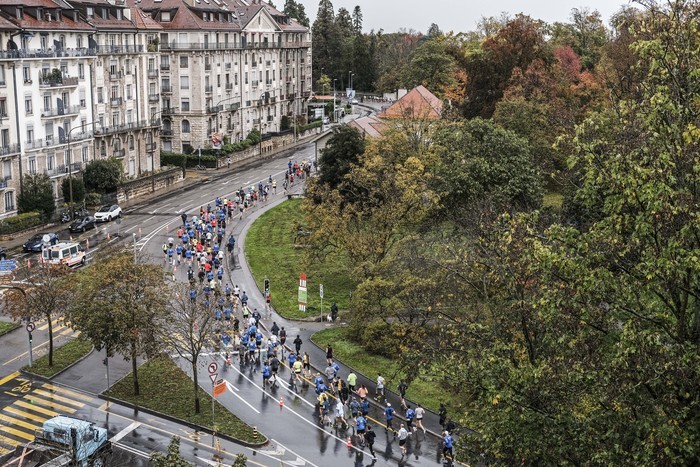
<point x="68" y="253"/>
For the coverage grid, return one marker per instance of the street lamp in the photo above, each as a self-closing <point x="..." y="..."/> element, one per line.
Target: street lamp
<point x="335" y="115"/>
<point x="351" y="76"/>
<point x="349" y="79"/>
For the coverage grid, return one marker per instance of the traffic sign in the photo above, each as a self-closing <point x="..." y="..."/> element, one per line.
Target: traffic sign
<point x="219" y="388"/>
<point x="320" y="290"/>
<point x="213" y="366"/>
<point x="30" y="327"/>
<point x="213" y="377"/>
<point x="8" y="265"/>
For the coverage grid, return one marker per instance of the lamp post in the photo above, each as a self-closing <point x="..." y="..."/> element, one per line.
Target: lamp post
<point x="262" y="100"/>
<point x="335" y="115"/>
<point x="349" y="79"/>
<point x="351" y="76"/>
<point x="69" y="168"/>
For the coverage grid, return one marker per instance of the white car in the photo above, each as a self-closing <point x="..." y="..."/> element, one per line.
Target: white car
<point x="108" y="212"/>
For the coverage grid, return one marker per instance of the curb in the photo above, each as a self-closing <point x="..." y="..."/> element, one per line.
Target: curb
<point x="49" y="378"/>
<point x="194" y="426"/>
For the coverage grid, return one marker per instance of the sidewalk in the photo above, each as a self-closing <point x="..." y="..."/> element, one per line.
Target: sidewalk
<point x="305" y="329"/>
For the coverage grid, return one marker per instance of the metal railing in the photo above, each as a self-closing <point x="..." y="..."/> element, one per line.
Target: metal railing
<point x="153" y="73"/>
<point x="208" y="88"/>
<point x="119" y="152"/>
<point x="232" y="45"/>
<point x="166" y="89"/>
<point x="66" y="110"/>
<point x="150" y="147"/>
<point x="109" y="130"/>
<point x="10" y="149"/>
<point x="115" y="76"/>
<point x="119" y="49"/>
<point x="229" y="86"/>
<point x="165" y="66"/>
<point x="115" y="101"/>
<point x="166" y="132"/>
<point x="43" y="53"/>
<point x="57" y="83"/>
<point x="153" y="97"/>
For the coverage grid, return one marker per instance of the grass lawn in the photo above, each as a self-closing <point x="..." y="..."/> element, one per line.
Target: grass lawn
<point x="270" y="252"/>
<point x="352" y="354"/>
<point x="63" y="357"/>
<point x="167" y="389"/>
<point x="6" y="327"/>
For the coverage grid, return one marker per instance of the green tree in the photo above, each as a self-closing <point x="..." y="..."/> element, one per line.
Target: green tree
<point x="47" y="294"/>
<point x="343" y="150"/>
<point x="431" y="66"/>
<point x="297" y="11"/>
<point x="78" y="189"/>
<point x="118" y="305"/>
<point x="103" y="175"/>
<point x="357" y="20"/>
<point x="173" y="458"/>
<point x="36" y="195"/>
<point x="327" y="52"/>
<point x="187" y="327"/>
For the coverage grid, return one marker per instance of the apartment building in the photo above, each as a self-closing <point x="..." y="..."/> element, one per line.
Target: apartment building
<point x="45" y="94"/>
<point x="227" y="67"/>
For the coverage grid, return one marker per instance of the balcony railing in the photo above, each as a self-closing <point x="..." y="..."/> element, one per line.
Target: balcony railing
<point x="3" y="182"/>
<point x="42" y="53"/>
<point x="208" y="88"/>
<point x="119" y="152"/>
<point x="207" y="67"/>
<point x="80" y="136"/>
<point x="254" y="84"/>
<point x="150" y="147"/>
<point x="63" y="169"/>
<point x="232" y="45"/>
<point x="43" y="143"/>
<point x="67" y="110"/>
<point x="153" y="98"/>
<point x="166" y="132"/>
<point x="166" y="89"/>
<point x="115" y="76"/>
<point x="9" y="149"/>
<point x="153" y="73"/>
<point x="124" y="127"/>
<point x="115" y="101"/>
<point x="229" y="86"/>
<point x="165" y="66"/>
<point x="168" y="111"/>
<point x="58" y="83"/>
<point x="119" y="49"/>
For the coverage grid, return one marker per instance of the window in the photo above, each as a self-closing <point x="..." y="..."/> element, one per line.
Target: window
<point x="115" y="119"/>
<point x="44" y="42"/>
<point x="82" y="98"/>
<point x="7" y="170"/>
<point x="81" y="71"/>
<point x="185" y="126"/>
<point x="184" y="61"/>
<point x="26" y="74"/>
<point x="79" y="42"/>
<point x="128" y="92"/>
<point x="50" y="161"/>
<point x="115" y="92"/>
<point x="246" y="77"/>
<point x="31" y="165"/>
<point x="185" y="105"/>
<point x="100" y="97"/>
<point x="131" y="142"/>
<point x="184" y="82"/>
<point x="2" y="75"/>
<point x="3" y="108"/>
<point x="30" y="135"/>
<point x="85" y="153"/>
<point x="165" y="16"/>
<point x="9" y="201"/>
<point x="47" y="103"/>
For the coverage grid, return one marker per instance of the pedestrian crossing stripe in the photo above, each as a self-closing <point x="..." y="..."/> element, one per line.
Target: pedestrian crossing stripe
<point x="34" y="408"/>
<point x="9" y="442"/>
<point x="54" y="323"/>
<point x="56" y="397"/>
<point x="9" y="378"/>
<point x="27" y="415"/>
<point x="53" y="405"/>
<point x="68" y="392"/>
<point x="14" y="421"/>
<point x="18" y="433"/>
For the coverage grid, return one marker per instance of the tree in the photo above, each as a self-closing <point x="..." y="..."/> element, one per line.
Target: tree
<point x="187" y="327"/>
<point x="343" y="150"/>
<point x="78" y="189"/>
<point x="431" y="66"/>
<point x="357" y="20"/>
<point x="172" y="459"/>
<point x="36" y="195"/>
<point x="47" y="295"/>
<point x="103" y="175"/>
<point x="297" y="11"/>
<point x="118" y="305"/>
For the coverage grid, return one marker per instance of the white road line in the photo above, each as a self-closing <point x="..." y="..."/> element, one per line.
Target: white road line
<point x="229" y="386"/>
<point x="130" y="229"/>
<point x="146" y="220"/>
<point x="116" y="438"/>
<point x="133" y="450"/>
<point x="298" y="456"/>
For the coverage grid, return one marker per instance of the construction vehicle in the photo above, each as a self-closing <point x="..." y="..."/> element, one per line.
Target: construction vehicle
<point x="63" y="442"/>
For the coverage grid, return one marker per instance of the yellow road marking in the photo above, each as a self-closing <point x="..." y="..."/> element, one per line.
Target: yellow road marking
<point x="70" y="393"/>
<point x="52" y="396"/>
<point x="18" y="433"/>
<point x="9" y="378"/>
<point x="14" y="421"/>
<point x="54" y="405"/>
<point x="3" y="451"/>
<point x="28" y="416"/>
<point x="9" y="441"/>
<point x="54" y="323"/>
<point x="34" y="408"/>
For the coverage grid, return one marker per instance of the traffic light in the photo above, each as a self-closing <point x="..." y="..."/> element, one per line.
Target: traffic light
<point x="104" y="361"/>
<point x="267" y="284"/>
<point x="30" y="337"/>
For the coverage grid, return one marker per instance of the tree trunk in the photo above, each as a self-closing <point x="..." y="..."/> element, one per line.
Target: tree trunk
<point x="50" y="342"/>
<point x="196" y="386"/>
<point x="134" y="371"/>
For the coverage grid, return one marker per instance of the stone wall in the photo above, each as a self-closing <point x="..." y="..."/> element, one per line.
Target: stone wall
<point x="268" y="147"/>
<point x="143" y="186"/>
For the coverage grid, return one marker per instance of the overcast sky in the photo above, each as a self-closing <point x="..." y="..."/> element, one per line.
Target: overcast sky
<point x="457" y="15"/>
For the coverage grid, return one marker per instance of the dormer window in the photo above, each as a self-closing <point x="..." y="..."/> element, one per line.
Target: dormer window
<point x="165" y="16"/>
<point x="19" y="13"/>
<point x="90" y="12"/>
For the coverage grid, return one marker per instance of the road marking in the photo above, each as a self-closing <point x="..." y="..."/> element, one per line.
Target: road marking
<point x="53" y="405"/>
<point x="116" y="438"/>
<point x="229" y="386"/>
<point x="130" y="228"/>
<point x="9" y="378"/>
<point x="27" y="415"/>
<point x="37" y="347"/>
<point x="74" y="394"/>
<point x="298" y="456"/>
<point x="53" y="396"/>
<point x="14" y="421"/>
<point x="18" y="433"/>
<point x="34" y="408"/>
<point x="133" y="450"/>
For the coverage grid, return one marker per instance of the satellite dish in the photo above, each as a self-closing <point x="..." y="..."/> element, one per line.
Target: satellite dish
<point x="45" y="238"/>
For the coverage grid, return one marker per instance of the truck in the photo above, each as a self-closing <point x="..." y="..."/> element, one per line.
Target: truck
<point x="63" y="442"/>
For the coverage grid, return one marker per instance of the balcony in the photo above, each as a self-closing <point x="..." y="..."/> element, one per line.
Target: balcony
<point x="166" y="132"/>
<point x="166" y="89"/>
<point x="208" y="89"/>
<point x="213" y="109"/>
<point x="119" y="153"/>
<point x="165" y="67"/>
<point x="67" y="110"/>
<point x="63" y="169"/>
<point x="80" y="136"/>
<point x="254" y="84"/>
<point x="153" y="73"/>
<point x="10" y="149"/>
<point x="168" y="111"/>
<point x="123" y="128"/>
<point x="62" y="82"/>
<point x="230" y="128"/>
<point x="115" y="76"/>
<point x="229" y="86"/>
<point x="3" y="182"/>
<point x="42" y="143"/>
<point x="270" y="118"/>
<point x="207" y="67"/>
<point x="227" y="66"/>
<point x="150" y="147"/>
<point x="119" y="49"/>
<point x="43" y="53"/>
<point x="115" y="101"/>
<point x="153" y="98"/>
<point x="230" y="107"/>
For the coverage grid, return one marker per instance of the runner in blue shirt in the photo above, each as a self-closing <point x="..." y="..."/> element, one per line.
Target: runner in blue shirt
<point x="266" y="373"/>
<point x="361" y="423"/>
<point x="389" y="413"/>
<point x="410" y="415"/>
<point x="447" y="442"/>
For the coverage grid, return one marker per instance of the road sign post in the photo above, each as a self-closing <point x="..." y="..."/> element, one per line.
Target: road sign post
<point x="302" y="292"/>
<point x="30" y="328"/>
<point x="213" y="367"/>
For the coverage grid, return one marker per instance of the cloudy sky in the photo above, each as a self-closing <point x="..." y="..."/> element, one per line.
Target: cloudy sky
<point x="457" y="15"/>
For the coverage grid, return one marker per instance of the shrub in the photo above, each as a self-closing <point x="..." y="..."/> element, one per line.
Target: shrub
<point x="20" y="222"/>
<point x="93" y="199"/>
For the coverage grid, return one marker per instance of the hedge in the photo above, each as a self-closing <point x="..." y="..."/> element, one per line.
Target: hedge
<point x="309" y="126"/>
<point x="20" y="222"/>
<point x="187" y="160"/>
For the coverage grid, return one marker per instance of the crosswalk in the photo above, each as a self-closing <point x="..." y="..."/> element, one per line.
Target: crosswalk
<point x="61" y="332"/>
<point x="31" y="404"/>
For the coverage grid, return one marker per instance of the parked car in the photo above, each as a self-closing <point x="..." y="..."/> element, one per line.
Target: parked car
<point x="36" y="241"/>
<point x="82" y="224"/>
<point x="3" y="253"/>
<point x="108" y="212"/>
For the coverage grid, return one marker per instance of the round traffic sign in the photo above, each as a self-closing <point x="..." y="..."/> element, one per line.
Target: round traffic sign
<point x="213" y="367"/>
<point x="46" y="238"/>
<point x="30" y="327"/>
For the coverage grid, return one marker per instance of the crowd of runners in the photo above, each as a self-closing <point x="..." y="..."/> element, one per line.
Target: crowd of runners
<point x="201" y="245"/>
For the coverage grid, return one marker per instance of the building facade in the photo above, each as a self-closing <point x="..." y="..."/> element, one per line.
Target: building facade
<point x="89" y="79"/>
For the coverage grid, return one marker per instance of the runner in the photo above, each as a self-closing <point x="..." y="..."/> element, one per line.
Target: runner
<point x="379" y="395"/>
<point x="420" y="411"/>
<point x="369" y="438"/>
<point x="403" y="436"/>
<point x="389" y="414"/>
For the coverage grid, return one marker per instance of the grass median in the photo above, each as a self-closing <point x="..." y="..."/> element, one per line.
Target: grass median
<point x="6" y="327"/>
<point x="63" y="357"/>
<point x="165" y="388"/>
<point x="273" y="251"/>
<point x="422" y="390"/>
